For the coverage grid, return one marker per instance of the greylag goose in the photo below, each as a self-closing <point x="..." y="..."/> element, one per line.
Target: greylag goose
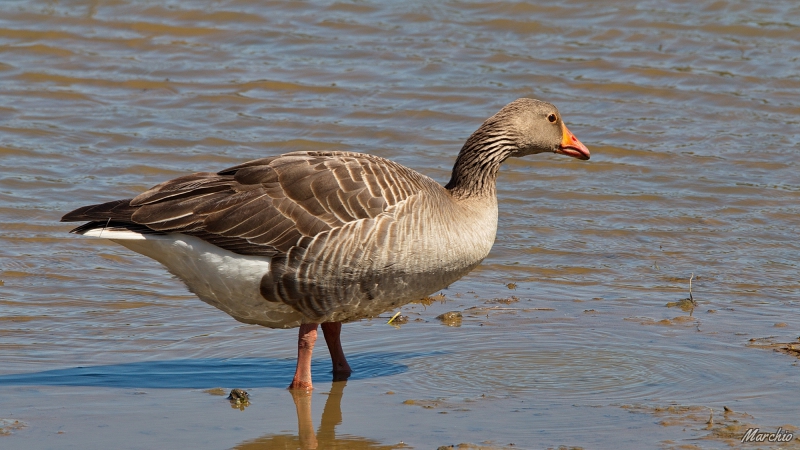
<point x="310" y="238"/>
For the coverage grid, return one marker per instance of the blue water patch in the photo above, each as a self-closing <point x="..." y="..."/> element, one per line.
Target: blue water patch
<point x="209" y="373"/>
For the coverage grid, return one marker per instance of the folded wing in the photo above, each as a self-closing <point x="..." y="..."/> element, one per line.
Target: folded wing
<point x="266" y="206"/>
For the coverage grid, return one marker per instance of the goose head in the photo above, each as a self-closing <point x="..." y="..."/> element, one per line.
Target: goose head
<point x="533" y="126"/>
<point x="523" y="127"/>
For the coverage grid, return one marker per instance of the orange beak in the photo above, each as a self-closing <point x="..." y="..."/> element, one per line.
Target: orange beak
<point x="571" y="146"/>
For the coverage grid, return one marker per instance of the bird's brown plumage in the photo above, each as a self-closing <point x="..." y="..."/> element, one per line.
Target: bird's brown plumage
<point x="264" y="207"/>
<point x="346" y="235"/>
<point x="328" y="237"/>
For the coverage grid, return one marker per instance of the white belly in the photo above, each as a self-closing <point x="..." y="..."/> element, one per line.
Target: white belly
<point x="219" y="277"/>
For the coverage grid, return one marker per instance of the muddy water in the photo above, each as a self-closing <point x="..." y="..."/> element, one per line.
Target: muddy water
<point x="690" y="110"/>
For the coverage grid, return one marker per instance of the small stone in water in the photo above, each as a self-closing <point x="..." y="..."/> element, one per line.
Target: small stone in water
<point x="451" y="319"/>
<point x="239" y="399"/>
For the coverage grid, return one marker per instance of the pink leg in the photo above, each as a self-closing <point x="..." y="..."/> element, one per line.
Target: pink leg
<point x="305" y="346"/>
<point x="332" y="332"/>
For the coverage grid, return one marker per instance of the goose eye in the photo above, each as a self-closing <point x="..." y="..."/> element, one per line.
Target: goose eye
<point x="551" y="118"/>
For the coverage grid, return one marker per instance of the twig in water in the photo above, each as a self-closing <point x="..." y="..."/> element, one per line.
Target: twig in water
<point x="104" y="227"/>
<point x="393" y="317"/>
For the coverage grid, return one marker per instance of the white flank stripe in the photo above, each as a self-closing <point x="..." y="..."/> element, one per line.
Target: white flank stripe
<point x="115" y="234"/>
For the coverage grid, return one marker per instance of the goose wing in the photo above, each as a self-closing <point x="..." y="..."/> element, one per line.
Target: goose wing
<point x="264" y="207"/>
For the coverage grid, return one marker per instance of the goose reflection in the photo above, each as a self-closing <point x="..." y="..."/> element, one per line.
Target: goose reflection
<point x="325" y="435"/>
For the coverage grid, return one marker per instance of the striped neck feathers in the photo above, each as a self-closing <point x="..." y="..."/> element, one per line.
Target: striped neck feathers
<point x="475" y="170"/>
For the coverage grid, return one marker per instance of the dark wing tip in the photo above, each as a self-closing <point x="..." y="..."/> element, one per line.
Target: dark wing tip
<point x="112" y="225"/>
<point x="83" y="228"/>
<point x="77" y="215"/>
<point x="115" y="210"/>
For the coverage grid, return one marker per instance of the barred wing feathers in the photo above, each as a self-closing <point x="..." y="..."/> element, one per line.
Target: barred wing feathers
<point x="264" y="207"/>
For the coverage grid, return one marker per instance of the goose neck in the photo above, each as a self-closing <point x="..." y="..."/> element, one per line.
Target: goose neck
<point x="475" y="171"/>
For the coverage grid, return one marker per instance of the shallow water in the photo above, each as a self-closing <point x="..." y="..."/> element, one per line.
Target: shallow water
<point x="690" y="111"/>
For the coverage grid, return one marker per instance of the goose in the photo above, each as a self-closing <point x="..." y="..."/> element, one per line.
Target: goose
<point x="320" y="238"/>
